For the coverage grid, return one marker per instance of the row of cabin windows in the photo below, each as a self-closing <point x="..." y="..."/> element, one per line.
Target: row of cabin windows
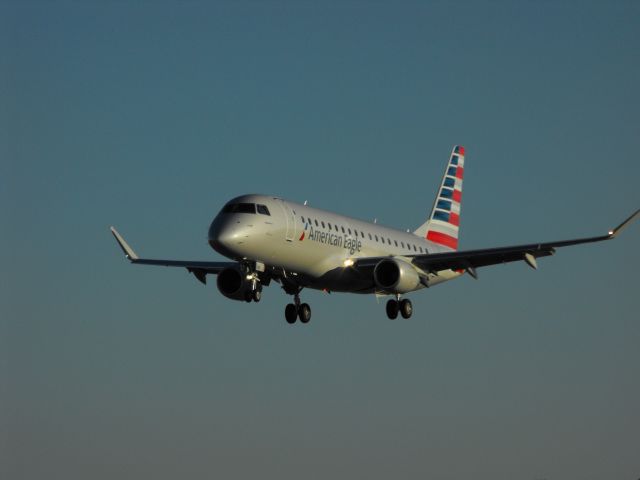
<point x="360" y="233"/>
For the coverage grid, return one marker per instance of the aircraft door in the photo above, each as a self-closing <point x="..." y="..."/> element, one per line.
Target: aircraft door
<point x="290" y="220"/>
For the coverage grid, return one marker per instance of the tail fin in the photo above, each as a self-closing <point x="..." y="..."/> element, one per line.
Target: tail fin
<point x="443" y="223"/>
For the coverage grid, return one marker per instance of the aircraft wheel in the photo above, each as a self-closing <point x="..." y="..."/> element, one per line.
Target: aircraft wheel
<point x="256" y="295"/>
<point x="291" y="313"/>
<point x="392" y="309"/>
<point x="406" y="308"/>
<point x="248" y="296"/>
<point x="304" y="312"/>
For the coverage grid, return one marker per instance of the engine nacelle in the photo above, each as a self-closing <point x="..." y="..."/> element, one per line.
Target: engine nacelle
<point x="233" y="284"/>
<point x="395" y="276"/>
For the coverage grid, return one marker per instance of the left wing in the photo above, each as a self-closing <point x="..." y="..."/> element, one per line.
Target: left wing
<point x="198" y="268"/>
<point x="469" y="260"/>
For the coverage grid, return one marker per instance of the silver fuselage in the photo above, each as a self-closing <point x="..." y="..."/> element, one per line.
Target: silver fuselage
<point x="313" y="246"/>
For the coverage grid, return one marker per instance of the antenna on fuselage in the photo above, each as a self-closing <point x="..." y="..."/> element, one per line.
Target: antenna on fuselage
<point x="375" y="220"/>
<point x="305" y="202"/>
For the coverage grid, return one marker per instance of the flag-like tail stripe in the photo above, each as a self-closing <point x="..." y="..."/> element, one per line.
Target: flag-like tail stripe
<point x="442" y="239"/>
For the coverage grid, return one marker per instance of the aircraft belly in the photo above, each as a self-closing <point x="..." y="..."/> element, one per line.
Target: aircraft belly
<point x="343" y="280"/>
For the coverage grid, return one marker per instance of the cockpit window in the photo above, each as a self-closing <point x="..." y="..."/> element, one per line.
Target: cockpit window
<point x="239" y="208"/>
<point x="263" y="210"/>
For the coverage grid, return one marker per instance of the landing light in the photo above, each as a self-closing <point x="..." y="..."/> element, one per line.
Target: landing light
<point x="348" y="262"/>
<point x="610" y="232"/>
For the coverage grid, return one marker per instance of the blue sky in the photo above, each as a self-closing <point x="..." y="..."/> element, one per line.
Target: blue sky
<point x="150" y="116"/>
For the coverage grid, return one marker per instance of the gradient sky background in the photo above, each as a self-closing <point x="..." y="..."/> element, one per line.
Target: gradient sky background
<point x="150" y="116"/>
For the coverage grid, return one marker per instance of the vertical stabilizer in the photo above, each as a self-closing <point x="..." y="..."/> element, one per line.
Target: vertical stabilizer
<point x="443" y="224"/>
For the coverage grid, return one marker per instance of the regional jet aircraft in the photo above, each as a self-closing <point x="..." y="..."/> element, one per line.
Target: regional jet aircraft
<point x="271" y="239"/>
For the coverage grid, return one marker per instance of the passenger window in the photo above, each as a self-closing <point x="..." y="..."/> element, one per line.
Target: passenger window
<point x="396" y="242"/>
<point x="402" y="243"/>
<point x="370" y="237"/>
<point x="349" y="231"/>
<point x="309" y="220"/>
<point x="355" y="232"/>
<point x="342" y="228"/>
<point x="336" y="227"/>
<point x="415" y="249"/>
<point x="388" y="240"/>
<point x="302" y="218"/>
<point x="262" y="209"/>
<point x="316" y="222"/>
<point x="322" y="224"/>
<point x="421" y="250"/>
<point x="329" y="225"/>
<point x="376" y="238"/>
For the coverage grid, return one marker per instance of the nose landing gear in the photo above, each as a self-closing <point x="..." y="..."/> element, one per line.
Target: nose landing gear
<point x="256" y="295"/>
<point x="404" y="307"/>
<point x="253" y="295"/>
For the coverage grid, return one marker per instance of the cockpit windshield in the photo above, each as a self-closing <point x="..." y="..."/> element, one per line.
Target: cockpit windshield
<point x="245" y="208"/>
<point x="239" y="208"/>
<point x="263" y="210"/>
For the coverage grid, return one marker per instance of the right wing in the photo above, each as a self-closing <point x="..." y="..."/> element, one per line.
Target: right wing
<point x="198" y="268"/>
<point x="469" y="260"/>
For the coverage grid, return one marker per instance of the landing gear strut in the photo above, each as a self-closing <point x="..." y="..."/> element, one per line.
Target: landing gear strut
<point x="255" y="294"/>
<point x="404" y="307"/>
<point x="297" y="310"/>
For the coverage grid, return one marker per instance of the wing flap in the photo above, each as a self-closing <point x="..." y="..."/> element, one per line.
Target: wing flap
<point x="472" y="259"/>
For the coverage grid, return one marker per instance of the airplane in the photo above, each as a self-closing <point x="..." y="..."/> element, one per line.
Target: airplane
<point x="298" y="246"/>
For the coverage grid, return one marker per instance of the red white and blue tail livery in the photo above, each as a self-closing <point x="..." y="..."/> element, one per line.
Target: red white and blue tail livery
<point x="443" y="225"/>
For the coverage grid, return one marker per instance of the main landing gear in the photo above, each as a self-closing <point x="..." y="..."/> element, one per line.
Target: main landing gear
<point x="297" y="310"/>
<point x="396" y="305"/>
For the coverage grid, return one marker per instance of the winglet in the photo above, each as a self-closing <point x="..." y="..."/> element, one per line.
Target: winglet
<point x="128" y="251"/>
<point x="613" y="233"/>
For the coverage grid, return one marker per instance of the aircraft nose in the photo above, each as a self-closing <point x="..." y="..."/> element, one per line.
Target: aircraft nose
<point x="225" y="237"/>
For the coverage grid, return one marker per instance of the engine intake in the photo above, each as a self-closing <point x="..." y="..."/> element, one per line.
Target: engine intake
<point x="395" y="276"/>
<point x="233" y="284"/>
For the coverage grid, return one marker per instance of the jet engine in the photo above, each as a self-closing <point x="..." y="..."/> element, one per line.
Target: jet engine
<point x="233" y="284"/>
<point x="395" y="276"/>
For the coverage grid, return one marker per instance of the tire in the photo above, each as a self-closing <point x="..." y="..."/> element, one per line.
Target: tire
<point x="304" y="313"/>
<point x="248" y="296"/>
<point x="392" y="309"/>
<point x="291" y="313"/>
<point x="406" y="308"/>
